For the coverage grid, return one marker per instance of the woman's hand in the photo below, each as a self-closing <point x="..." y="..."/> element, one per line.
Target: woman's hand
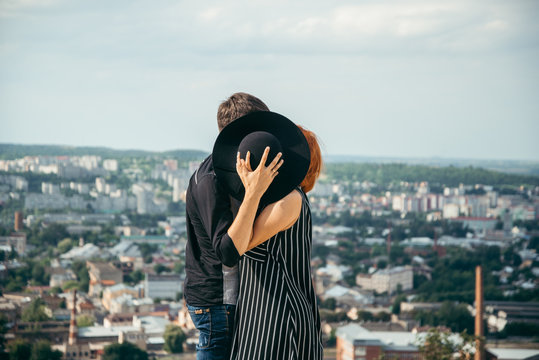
<point x="257" y="181"/>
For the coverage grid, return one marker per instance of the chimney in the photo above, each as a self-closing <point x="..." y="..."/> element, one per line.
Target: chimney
<point x="18" y="221"/>
<point x="436" y="243"/>
<point x="73" y="323"/>
<point x="479" y="331"/>
<point x="388" y="244"/>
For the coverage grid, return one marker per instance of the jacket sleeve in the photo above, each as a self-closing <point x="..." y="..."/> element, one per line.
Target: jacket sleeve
<point x="216" y="216"/>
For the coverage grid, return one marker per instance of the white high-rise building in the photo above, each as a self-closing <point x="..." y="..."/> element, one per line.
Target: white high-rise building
<point x="145" y="195"/>
<point x="100" y="184"/>
<point x="48" y="188"/>
<point x="110" y="164"/>
<point x="451" y="211"/>
<point x="178" y="189"/>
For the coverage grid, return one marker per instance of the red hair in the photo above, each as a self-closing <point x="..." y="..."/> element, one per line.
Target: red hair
<point x="316" y="160"/>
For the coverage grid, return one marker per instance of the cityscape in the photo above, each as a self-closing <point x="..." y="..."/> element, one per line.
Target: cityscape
<point x="422" y="230"/>
<point x="92" y="244"/>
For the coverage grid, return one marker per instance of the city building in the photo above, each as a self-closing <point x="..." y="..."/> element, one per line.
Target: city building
<point x="354" y="342"/>
<point x="149" y="239"/>
<point x="86" y="251"/>
<point x="129" y="255"/>
<point x="348" y="298"/>
<point x="501" y="313"/>
<point x="60" y="276"/>
<point x="110" y="164"/>
<point x="387" y="280"/>
<point x="121" y="289"/>
<point x="102" y="275"/>
<point x="17" y="241"/>
<point x="478" y="225"/>
<point x="512" y="354"/>
<point x="163" y="286"/>
<point x="128" y="303"/>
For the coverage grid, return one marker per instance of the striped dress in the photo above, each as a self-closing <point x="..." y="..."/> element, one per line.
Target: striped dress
<point x="277" y="312"/>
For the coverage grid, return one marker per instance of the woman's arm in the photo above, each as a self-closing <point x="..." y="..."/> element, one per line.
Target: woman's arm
<point x="275" y="218"/>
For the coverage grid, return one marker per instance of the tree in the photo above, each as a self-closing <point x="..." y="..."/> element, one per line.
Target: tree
<point x="179" y="267"/>
<point x="329" y="303"/>
<point x="41" y="350"/>
<point x="137" y="276"/>
<point x="85" y="320"/>
<point x="396" y="307"/>
<point x="52" y="234"/>
<point x="65" y="245"/>
<point x="455" y="316"/>
<point x="382" y="316"/>
<point x="332" y="339"/>
<point x="19" y="349"/>
<point x="365" y="315"/>
<point x="79" y="268"/>
<point x="35" y="312"/>
<point x="124" y="351"/>
<point x="438" y="345"/>
<point x="39" y="276"/>
<point x="174" y="339"/>
<point x="159" y="268"/>
<point x="69" y="285"/>
<point x="147" y="250"/>
<point x="3" y="330"/>
<point x="521" y="329"/>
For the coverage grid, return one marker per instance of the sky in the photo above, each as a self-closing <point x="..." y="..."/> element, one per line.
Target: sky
<point x="385" y="78"/>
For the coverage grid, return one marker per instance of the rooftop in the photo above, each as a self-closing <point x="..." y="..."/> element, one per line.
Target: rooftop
<point x="390" y="340"/>
<point x="515" y="354"/>
<point x="101" y="331"/>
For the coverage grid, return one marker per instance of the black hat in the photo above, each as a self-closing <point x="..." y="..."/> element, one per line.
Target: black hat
<point x="253" y="133"/>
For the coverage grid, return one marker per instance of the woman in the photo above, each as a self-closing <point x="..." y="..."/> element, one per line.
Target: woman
<point x="277" y="313"/>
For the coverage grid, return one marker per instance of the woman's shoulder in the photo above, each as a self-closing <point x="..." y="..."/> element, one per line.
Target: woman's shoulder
<point x="294" y="199"/>
<point x="287" y="209"/>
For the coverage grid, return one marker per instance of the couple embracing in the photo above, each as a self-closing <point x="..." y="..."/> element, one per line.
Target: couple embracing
<point x="248" y="287"/>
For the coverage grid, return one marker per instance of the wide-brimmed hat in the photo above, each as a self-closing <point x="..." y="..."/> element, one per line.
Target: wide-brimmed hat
<point x="253" y="133"/>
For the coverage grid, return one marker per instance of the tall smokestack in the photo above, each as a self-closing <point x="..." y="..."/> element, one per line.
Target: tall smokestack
<point x="18" y="221"/>
<point x="479" y="330"/>
<point x="388" y="244"/>
<point x="73" y="324"/>
<point x="436" y="243"/>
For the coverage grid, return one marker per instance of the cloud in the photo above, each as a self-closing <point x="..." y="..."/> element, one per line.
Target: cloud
<point x="210" y="14"/>
<point x="369" y="66"/>
<point x="13" y="8"/>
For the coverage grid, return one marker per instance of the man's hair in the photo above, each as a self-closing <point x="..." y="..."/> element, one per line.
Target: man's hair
<point x="236" y="106"/>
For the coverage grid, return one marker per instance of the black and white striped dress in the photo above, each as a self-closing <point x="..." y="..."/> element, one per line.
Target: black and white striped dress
<point x="277" y="313"/>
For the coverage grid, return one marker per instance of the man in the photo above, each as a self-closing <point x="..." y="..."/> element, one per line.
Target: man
<point x="216" y="240"/>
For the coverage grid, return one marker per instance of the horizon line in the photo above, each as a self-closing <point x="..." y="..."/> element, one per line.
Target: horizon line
<point x="386" y="157"/>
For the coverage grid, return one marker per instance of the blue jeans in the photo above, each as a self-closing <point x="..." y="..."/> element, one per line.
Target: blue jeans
<point x="216" y="327"/>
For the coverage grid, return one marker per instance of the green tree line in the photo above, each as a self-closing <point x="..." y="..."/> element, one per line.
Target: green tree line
<point x="385" y="174"/>
<point x="15" y="151"/>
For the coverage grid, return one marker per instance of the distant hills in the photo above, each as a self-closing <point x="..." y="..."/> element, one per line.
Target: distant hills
<point x="523" y="167"/>
<point x="438" y="177"/>
<point x="14" y="151"/>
